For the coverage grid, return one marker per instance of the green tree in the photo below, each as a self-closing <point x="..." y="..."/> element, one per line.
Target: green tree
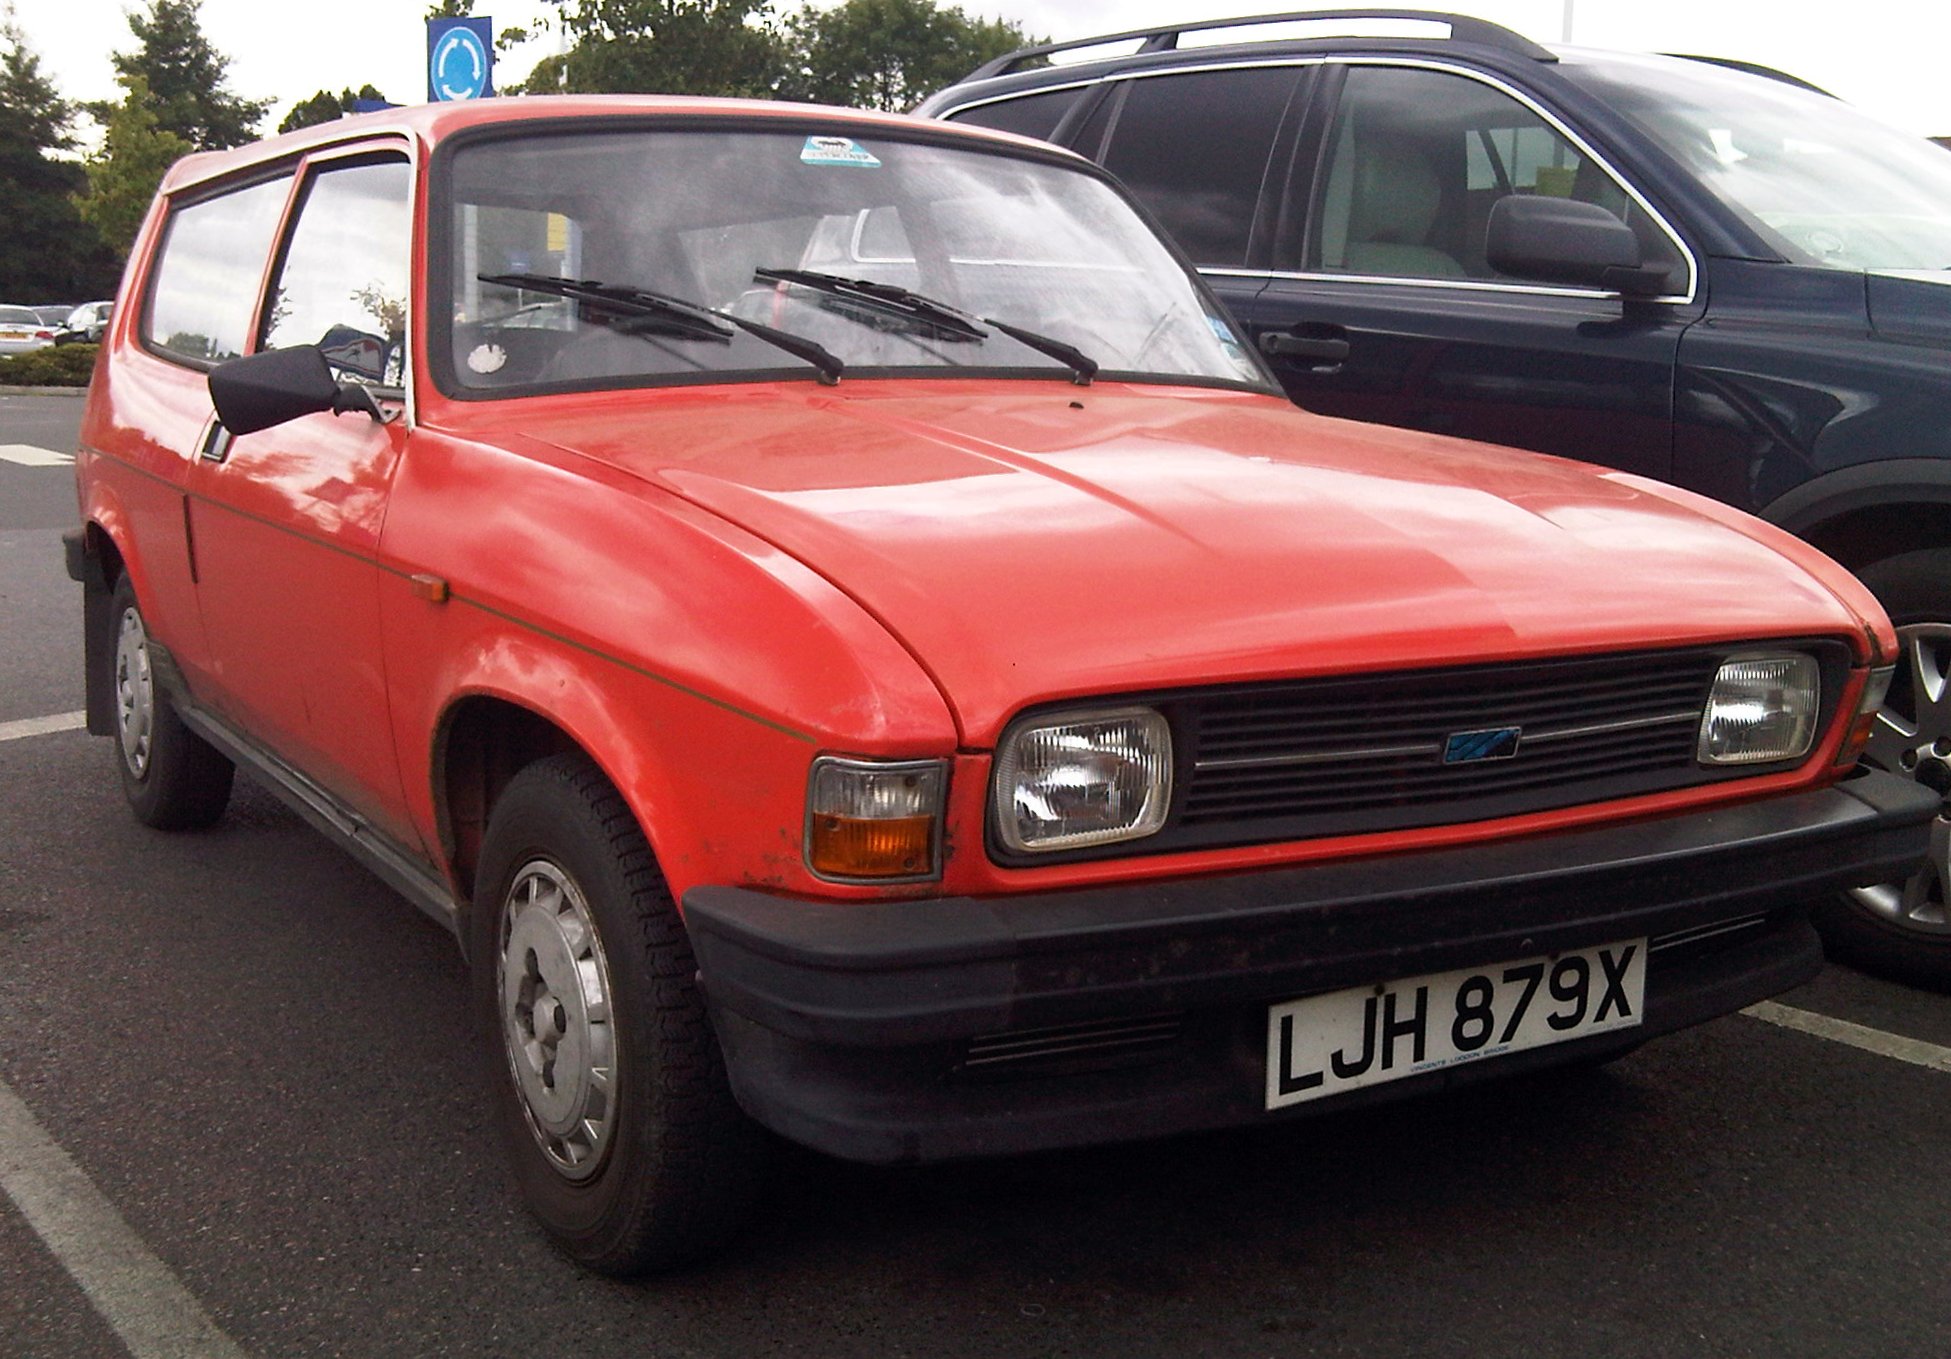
<point x="726" y="47"/>
<point x="124" y="172"/>
<point x="46" y="253"/>
<point x="325" y="106"/>
<point x="186" y="78"/>
<point x="888" y="54"/>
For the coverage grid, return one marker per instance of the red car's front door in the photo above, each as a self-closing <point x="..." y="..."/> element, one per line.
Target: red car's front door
<point x="287" y="520"/>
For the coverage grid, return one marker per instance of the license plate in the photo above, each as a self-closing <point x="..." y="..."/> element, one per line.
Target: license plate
<point x="1366" y="1035"/>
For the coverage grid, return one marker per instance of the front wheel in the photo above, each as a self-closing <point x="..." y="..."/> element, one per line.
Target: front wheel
<point x="1903" y="928"/>
<point x="607" y="1078"/>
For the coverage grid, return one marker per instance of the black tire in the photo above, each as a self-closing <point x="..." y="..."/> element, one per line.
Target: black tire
<point x="669" y="1167"/>
<point x="1903" y="930"/>
<point x="173" y="778"/>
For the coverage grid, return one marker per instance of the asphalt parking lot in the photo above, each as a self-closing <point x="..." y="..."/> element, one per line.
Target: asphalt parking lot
<point x="238" y="1114"/>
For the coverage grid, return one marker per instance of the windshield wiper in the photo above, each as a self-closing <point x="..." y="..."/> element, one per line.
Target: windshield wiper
<point x="673" y="316"/>
<point x="888" y="298"/>
<point x="950" y="321"/>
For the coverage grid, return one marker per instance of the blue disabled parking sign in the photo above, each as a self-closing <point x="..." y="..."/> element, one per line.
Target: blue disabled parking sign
<point x="460" y="59"/>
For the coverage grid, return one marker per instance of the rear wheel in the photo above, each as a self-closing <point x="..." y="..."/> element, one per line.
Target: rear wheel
<point x="607" y="1078"/>
<point x="1903" y="928"/>
<point x="173" y="778"/>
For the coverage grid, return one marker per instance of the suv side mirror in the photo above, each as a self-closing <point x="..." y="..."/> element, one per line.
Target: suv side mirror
<point x="1561" y="240"/>
<point x="262" y="390"/>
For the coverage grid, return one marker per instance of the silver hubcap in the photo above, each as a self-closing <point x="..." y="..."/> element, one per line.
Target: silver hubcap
<point x="1912" y="737"/>
<point x="556" y="1018"/>
<point x="135" y="693"/>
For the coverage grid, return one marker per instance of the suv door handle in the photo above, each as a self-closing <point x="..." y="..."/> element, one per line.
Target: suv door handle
<point x="1321" y="348"/>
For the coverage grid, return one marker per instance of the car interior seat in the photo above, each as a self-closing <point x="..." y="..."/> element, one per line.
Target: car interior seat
<point x="1394" y="199"/>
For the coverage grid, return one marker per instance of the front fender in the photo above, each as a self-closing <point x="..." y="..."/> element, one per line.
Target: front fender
<point x="702" y="669"/>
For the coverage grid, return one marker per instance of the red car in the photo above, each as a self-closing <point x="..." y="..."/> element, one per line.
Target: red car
<point x="827" y="611"/>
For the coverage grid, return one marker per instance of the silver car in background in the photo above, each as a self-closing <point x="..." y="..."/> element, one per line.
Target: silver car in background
<point x="21" y="330"/>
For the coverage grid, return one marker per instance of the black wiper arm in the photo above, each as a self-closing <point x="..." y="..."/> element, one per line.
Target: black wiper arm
<point x="687" y="319"/>
<point x="1080" y="363"/>
<point x="887" y="297"/>
<point x="901" y="302"/>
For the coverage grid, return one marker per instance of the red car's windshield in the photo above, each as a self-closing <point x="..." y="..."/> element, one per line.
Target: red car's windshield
<point x="714" y="218"/>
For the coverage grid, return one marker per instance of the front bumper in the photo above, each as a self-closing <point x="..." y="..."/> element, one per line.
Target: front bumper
<point x="871" y="1030"/>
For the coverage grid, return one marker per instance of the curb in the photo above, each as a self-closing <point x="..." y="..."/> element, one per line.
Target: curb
<point x="43" y="391"/>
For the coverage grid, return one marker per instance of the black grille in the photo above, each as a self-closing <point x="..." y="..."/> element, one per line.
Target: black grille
<point x="1341" y="748"/>
<point x="1313" y="758"/>
<point x="1103" y="1040"/>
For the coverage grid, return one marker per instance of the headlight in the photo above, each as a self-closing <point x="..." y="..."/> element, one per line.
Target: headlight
<point x="875" y="820"/>
<point x="1069" y="780"/>
<point x="1761" y="708"/>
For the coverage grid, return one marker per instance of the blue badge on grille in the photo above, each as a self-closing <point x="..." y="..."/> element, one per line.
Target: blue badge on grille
<point x="1498" y="743"/>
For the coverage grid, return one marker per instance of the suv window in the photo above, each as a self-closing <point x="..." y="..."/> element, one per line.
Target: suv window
<point x="207" y="275"/>
<point x="1194" y="148"/>
<point x="1034" y="116"/>
<point x="342" y="284"/>
<point x="1818" y="180"/>
<point x="1418" y="158"/>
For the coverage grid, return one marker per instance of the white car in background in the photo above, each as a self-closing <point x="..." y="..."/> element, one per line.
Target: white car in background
<point x="21" y="330"/>
<point x="85" y="324"/>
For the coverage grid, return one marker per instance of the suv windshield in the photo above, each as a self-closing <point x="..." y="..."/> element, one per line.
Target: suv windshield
<point x="1824" y="183"/>
<point x="734" y="222"/>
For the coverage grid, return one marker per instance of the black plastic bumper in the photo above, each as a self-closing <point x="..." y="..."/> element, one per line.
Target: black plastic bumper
<point x="847" y="1026"/>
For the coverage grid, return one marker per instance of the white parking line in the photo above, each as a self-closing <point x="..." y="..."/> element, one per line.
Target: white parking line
<point x="32" y="455"/>
<point x="1911" y="1050"/>
<point x="149" y="1311"/>
<point x="41" y="726"/>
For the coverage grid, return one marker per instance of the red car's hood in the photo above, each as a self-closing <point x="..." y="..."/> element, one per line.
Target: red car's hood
<point x="1034" y="542"/>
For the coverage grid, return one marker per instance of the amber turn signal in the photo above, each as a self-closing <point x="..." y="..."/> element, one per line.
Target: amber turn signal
<point x="849" y="847"/>
<point x="1875" y="690"/>
<point x="875" y="820"/>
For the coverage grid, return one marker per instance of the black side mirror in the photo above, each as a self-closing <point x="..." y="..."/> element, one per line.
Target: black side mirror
<point x="262" y="390"/>
<point x="1561" y="240"/>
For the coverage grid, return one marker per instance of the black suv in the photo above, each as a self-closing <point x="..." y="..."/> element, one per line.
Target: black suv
<point x="1719" y="277"/>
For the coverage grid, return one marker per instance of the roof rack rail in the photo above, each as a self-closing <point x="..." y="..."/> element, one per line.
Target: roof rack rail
<point x="1753" y="68"/>
<point x="1463" y="28"/>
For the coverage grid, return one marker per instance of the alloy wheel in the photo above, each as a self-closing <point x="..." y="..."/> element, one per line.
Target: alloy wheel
<point x="1912" y="737"/>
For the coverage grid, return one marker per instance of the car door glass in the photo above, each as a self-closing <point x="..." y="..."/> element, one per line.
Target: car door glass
<point x="1418" y="158"/>
<point x="1194" y="149"/>
<point x="208" y="272"/>
<point x="1034" y="115"/>
<point x="342" y="284"/>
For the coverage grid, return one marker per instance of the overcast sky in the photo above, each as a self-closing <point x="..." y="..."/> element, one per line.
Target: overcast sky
<point x="1887" y="56"/>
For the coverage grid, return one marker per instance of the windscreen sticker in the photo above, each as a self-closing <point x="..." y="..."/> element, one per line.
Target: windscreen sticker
<point x="838" y="151"/>
<point x="486" y="358"/>
<point x="1221" y="331"/>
